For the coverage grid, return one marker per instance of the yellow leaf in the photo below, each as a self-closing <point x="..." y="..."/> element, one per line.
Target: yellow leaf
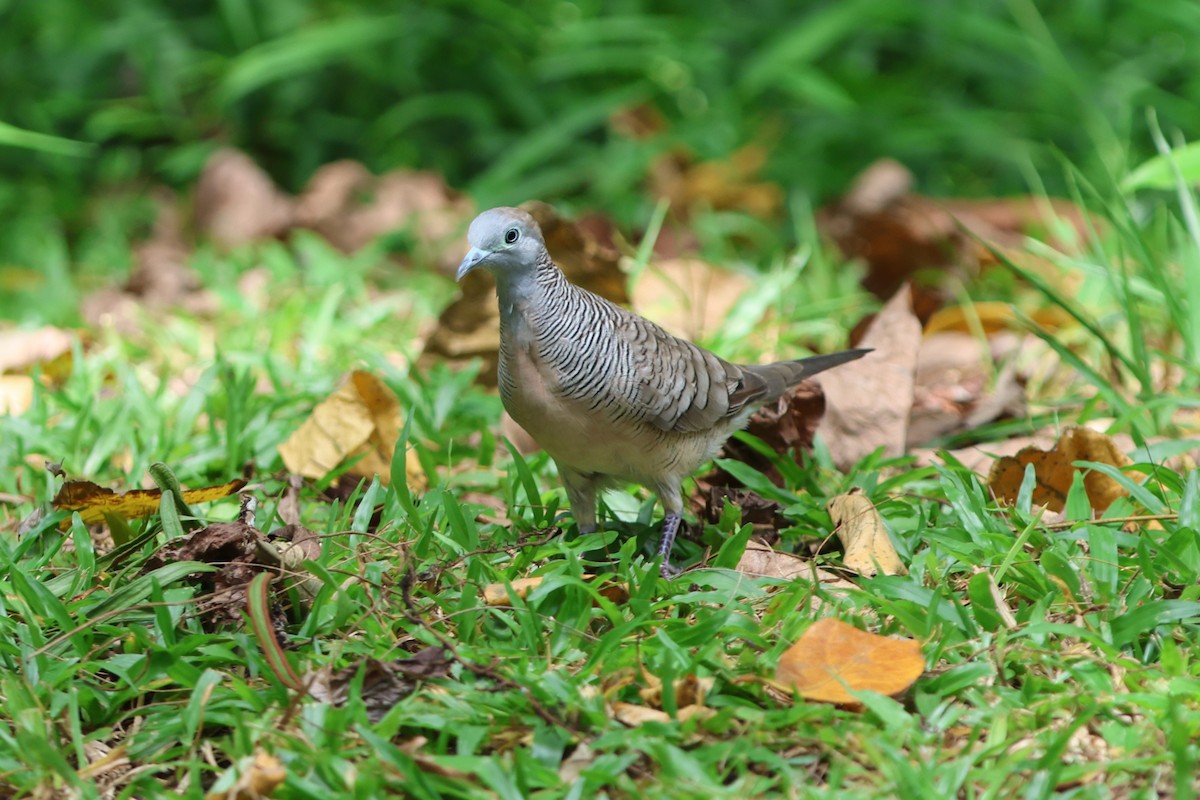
<point x="834" y="658"/>
<point x="93" y="502"/>
<point x="864" y="537"/>
<point x="362" y="418"/>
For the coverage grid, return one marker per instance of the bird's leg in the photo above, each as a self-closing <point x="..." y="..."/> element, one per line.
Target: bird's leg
<point x="670" y="493"/>
<point x="669" y="529"/>
<point x="581" y="494"/>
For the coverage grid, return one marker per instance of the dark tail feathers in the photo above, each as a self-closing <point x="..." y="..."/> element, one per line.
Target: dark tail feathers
<point x="782" y="375"/>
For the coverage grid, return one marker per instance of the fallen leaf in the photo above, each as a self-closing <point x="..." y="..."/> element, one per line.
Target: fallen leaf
<point x="16" y="394"/>
<point x="237" y="202"/>
<point x="899" y="233"/>
<point x="497" y="594"/>
<point x="765" y="515"/>
<point x="633" y="715"/>
<point x="868" y="549"/>
<point x="361" y="419"/>
<point x="690" y="690"/>
<point x="384" y="683"/>
<point x="572" y="766"/>
<point x="161" y="278"/>
<point x="688" y="297"/>
<point x="350" y="207"/>
<point x="787" y="425"/>
<point x="21" y="349"/>
<point x="761" y="561"/>
<point x="833" y="658"/>
<point x="1055" y="470"/>
<point x="868" y="401"/>
<point x="93" y="502"/>
<point x="260" y="778"/>
<point x="954" y="388"/>
<point x="992" y="317"/>
<point x="730" y="184"/>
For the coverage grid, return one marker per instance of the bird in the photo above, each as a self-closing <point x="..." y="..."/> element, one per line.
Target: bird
<point x="611" y="396"/>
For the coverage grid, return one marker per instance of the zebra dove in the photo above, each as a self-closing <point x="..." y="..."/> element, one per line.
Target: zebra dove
<point x="608" y="394"/>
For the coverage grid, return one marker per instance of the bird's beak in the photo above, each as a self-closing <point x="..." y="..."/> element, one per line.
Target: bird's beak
<point x="473" y="260"/>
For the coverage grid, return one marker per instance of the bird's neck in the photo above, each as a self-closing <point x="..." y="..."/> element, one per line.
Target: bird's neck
<point x="523" y="292"/>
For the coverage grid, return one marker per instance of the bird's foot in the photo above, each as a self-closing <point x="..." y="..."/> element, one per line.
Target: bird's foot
<point x="666" y="543"/>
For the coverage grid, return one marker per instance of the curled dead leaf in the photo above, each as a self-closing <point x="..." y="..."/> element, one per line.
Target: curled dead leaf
<point x="868" y="549"/>
<point x="237" y="202"/>
<point x="360" y="419"/>
<point x="16" y="394"/>
<point x="868" y="401"/>
<point x="688" y="297"/>
<point x="833" y="658"/>
<point x="94" y="502"/>
<point x="497" y="594"/>
<point x="1055" y="470"/>
<point x="899" y="233"/>
<point x="633" y="715"/>
<point x="731" y="184"/>
<point x="258" y="779"/>
<point x="761" y="561"/>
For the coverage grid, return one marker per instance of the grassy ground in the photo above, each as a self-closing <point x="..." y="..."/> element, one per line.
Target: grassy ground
<point x="1062" y="659"/>
<point x="1089" y="689"/>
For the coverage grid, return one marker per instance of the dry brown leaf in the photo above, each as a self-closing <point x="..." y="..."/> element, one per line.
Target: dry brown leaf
<point x="573" y="765"/>
<point x="833" y="658"/>
<point x="868" y="549"/>
<point x="633" y="715"/>
<point x="16" y="394"/>
<point x="497" y="594"/>
<point x="362" y="418"/>
<point x="899" y="233"/>
<point x="761" y="561"/>
<point x="237" y="202"/>
<point x="722" y="185"/>
<point x="992" y="317"/>
<point x="954" y="389"/>
<point x="350" y="207"/>
<point x="868" y="401"/>
<point x="21" y="349"/>
<point x="384" y="684"/>
<point x="93" y="502"/>
<point x="260" y="778"/>
<point x="688" y="297"/>
<point x="788" y="425"/>
<point x="1054" y="470"/>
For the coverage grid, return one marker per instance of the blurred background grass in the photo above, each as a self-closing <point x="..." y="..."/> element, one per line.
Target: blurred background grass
<point x="513" y="101"/>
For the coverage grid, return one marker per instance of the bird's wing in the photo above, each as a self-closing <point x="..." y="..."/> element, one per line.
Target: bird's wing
<point x="675" y="385"/>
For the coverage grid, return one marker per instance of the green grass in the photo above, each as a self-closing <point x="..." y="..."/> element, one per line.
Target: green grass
<point x="1090" y="690"/>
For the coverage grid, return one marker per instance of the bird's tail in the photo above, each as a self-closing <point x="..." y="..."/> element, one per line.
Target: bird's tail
<point x="782" y="375"/>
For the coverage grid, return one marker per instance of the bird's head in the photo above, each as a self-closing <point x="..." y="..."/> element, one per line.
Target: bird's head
<point x="504" y="241"/>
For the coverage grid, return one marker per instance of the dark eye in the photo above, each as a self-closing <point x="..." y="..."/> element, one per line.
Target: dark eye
<point x="511" y="235"/>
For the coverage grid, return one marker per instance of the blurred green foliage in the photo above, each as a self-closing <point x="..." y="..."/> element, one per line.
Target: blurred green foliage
<point x="511" y="101"/>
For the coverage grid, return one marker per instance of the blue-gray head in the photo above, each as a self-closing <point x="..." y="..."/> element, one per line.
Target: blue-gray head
<point x="504" y="241"/>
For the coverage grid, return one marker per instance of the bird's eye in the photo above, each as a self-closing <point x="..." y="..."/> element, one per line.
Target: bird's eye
<point x="511" y="236"/>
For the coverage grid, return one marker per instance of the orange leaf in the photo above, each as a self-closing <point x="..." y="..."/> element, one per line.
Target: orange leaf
<point x="1055" y="470"/>
<point x="833" y="659"/>
<point x="93" y="501"/>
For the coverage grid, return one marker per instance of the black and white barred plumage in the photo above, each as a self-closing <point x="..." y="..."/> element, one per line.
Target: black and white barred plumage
<point x="610" y="395"/>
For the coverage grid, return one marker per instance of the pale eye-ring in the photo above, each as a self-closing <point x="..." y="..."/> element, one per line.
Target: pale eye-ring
<point x="511" y="235"/>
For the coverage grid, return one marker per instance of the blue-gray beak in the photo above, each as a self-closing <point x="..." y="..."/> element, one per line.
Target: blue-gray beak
<point x="473" y="259"/>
